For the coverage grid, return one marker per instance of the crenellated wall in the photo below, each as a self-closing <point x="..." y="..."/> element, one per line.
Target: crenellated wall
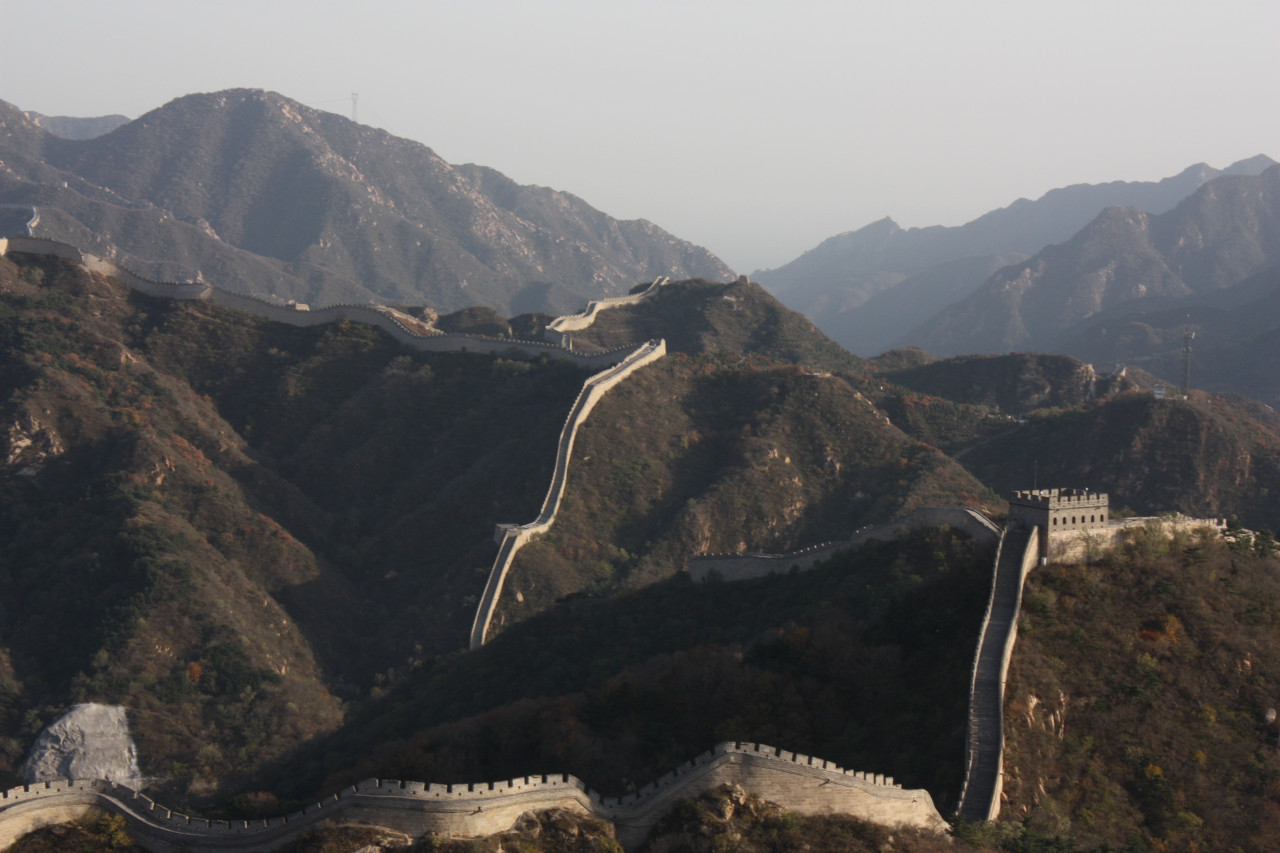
<point x="737" y="567"/>
<point x="797" y="782"/>
<point x="294" y="315"/>
<point x="511" y="538"/>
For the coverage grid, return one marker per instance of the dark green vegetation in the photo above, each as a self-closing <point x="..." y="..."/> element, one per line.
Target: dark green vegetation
<point x="249" y="186"/>
<point x="1208" y="457"/>
<point x="236" y="528"/>
<point x="227" y="525"/>
<point x="1013" y="384"/>
<point x="619" y="691"/>
<point x="1139" y="699"/>
<point x="267" y="543"/>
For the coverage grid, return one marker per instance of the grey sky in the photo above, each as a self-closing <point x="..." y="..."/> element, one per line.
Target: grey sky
<point x="754" y="129"/>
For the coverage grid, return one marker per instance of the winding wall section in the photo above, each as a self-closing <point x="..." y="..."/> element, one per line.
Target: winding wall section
<point x="511" y="538"/>
<point x="797" y="782"/>
<point x="557" y="331"/>
<point x="294" y="315"/>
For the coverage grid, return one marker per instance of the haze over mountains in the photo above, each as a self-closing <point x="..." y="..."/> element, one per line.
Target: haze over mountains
<point x="260" y="192"/>
<point x="870" y="289"/>
<point x="268" y="541"/>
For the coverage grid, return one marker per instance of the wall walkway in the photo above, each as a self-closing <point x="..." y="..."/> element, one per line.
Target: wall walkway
<point x="797" y="782"/>
<point x="512" y="538"/>
<point x="984" y="752"/>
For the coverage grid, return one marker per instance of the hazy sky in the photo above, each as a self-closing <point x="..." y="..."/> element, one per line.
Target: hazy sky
<point x="756" y="129"/>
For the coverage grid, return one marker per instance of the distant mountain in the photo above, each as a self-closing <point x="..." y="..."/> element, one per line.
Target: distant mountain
<point x="260" y="192"/>
<point x="1235" y="342"/>
<point x="71" y="127"/>
<point x="834" y="284"/>
<point x="1124" y="261"/>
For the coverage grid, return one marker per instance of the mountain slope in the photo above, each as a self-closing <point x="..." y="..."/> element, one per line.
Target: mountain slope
<point x="244" y="521"/>
<point x="831" y="282"/>
<point x="1228" y="230"/>
<point x="344" y="211"/>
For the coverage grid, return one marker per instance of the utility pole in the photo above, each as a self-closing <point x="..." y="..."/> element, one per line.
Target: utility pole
<point x="1188" y="334"/>
<point x="355" y="96"/>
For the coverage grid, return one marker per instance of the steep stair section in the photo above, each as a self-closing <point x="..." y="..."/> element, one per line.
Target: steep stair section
<point x="984" y="754"/>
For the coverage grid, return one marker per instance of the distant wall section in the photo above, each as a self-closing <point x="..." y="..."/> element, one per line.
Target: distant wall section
<point x="557" y="331"/>
<point x="737" y="567"/>
<point x="299" y="315"/>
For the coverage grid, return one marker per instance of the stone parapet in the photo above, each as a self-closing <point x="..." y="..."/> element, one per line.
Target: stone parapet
<point x="794" y="781"/>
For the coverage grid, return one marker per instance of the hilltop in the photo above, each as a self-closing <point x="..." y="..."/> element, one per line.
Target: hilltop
<point x="262" y="193"/>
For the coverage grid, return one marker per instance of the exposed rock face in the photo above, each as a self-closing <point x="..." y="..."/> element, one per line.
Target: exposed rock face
<point x="88" y="742"/>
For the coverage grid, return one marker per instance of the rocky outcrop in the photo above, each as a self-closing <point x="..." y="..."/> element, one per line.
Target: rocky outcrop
<point x="90" y="741"/>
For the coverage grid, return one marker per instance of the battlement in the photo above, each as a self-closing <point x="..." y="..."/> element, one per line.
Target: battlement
<point x="1058" y="498"/>
<point x="793" y="780"/>
<point x="1057" y="511"/>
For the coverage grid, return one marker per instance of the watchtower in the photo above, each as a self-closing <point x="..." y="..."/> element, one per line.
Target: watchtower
<point x="1058" y="510"/>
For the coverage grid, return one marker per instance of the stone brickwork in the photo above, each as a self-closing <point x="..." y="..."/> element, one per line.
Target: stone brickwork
<point x="1058" y="510"/>
<point x="797" y="782"/>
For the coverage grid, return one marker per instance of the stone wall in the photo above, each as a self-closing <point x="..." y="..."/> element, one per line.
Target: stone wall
<point x="511" y="538"/>
<point x="557" y="331"/>
<point x="737" y="567"/>
<point x="1017" y="555"/>
<point x="1070" y="547"/>
<point x="798" y="782"/>
<point x="294" y="315"/>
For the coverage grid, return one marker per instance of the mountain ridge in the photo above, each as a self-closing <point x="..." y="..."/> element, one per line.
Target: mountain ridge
<point x="831" y="281"/>
<point x="326" y="206"/>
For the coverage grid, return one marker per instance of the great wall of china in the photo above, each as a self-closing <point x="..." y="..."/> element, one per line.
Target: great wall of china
<point x="511" y="538"/>
<point x="1063" y="525"/>
<point x="619" y="364"/>
<point x="797" y="782"/>
<point x="737" y="567"/>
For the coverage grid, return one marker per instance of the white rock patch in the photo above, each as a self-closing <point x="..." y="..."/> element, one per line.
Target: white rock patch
<point x="90" y="741"/>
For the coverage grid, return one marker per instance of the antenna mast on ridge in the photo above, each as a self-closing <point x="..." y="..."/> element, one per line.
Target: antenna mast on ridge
<point x="355" y="96"/>
<point x="1188" y="334"/>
